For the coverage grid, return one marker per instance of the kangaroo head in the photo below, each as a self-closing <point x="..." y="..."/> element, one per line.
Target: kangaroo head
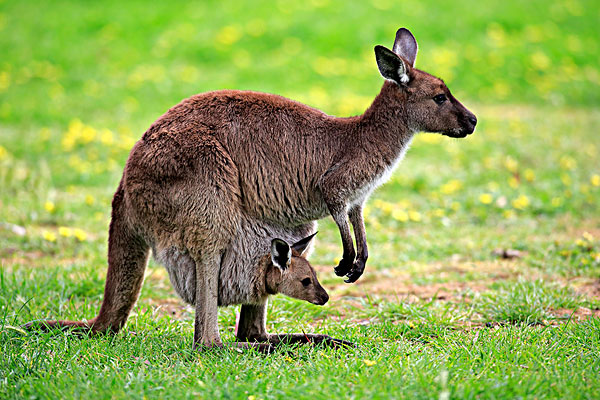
<point x="291" y="274"/>
<point x="428" y="104"/>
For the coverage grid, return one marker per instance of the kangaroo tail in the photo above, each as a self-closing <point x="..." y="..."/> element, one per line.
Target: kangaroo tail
<point x="127" y="259"/>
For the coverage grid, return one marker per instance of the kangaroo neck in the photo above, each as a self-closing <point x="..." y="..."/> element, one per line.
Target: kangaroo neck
<point x="384" y="125"/>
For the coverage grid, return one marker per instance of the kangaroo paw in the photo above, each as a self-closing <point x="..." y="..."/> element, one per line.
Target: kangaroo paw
<point x="344" y="267"/>
<point x="308" y="338"/>
<point x="356" y="271"/>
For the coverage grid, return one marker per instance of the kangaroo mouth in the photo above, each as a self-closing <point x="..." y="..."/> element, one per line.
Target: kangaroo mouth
<point x="459" y="133"/>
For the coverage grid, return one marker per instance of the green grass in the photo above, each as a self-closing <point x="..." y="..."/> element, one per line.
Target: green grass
<point x="436" y="315"/>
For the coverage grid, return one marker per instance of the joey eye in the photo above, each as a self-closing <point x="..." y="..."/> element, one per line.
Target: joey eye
<point x="440" y="98"/>
<point x="305" y="281"/>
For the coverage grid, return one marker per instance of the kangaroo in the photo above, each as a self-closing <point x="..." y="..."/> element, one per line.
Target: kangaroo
<point x="221" y="173"/>
<point x="284" y="270"/>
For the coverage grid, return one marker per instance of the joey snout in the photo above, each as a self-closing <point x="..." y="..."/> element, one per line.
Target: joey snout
<point x="321" y="297"/>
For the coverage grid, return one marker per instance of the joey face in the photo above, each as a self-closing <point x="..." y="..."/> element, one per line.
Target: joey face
<point x="428" y="104"/>
<point x="291" y="274"/>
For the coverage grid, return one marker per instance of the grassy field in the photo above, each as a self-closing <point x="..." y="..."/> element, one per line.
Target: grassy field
<point x="439" y="312"/>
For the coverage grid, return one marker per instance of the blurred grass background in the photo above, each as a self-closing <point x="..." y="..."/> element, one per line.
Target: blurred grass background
<point x="115" y="64"/>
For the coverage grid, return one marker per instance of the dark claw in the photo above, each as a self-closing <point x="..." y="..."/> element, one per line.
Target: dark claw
<point x="339" y="343"/>
<point x="327" y="340"/>
<point x="343" y="267"/>
<point x="265" y="348"/>
<point x="356" y="272"/>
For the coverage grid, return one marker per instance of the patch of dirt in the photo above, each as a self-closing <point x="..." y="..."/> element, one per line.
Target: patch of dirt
<point x="576" y="231"/>
<point x="580" y="314"/>
<point x="12" y="256"/>
<point x="589" y="289"/>
<point x="447" y="281"/>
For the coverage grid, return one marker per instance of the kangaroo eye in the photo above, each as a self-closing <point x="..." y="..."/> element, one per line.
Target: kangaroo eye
<point x="440" y="98"/>
<point x="306" y="281"/>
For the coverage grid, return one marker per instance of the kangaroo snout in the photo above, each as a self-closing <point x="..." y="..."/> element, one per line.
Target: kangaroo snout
<point x="469" y="123"/>
<point x="322" y="298"/>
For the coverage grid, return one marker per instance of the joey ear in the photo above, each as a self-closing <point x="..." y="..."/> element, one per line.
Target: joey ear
<point x="391" y="66"/>
<point x="281" y="253"/>
<point x="406" y="46"/>
<point x="301" y="245"/>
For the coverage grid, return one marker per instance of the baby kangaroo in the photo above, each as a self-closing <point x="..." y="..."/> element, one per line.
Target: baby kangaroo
<point x="284" y="270"/>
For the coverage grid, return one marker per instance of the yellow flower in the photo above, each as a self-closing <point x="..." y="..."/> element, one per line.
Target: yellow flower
<point x="511" y="164"/>
<point x="3" y="153"/>
<point x="566" y="179"/>
<point x="49" y="206"/>
<point x="369" y="363"/>
<point x="529" y="175"/>
<point x="414" y="216"/>
<point x="79" y="234"/>
<point x="400" y="215"/>
<point x="540" y="60"/>
<point x="439" y="212"/>
<point x="89" y="199"/>
<point x="49" y="236"/>
<point x="567" y="162"/>
<point x="486" y="198"/>
<point x="385" y="206"/>
<point x="229" y="35"/>
<point x="513" y="182"/>
<point x="64" y="231"/>
<point x="520" y="202"/>
<point x="508" y="214"/>
<point x="595" y="180"/>
<point x="451" y="186"/>
<point x="588" y="236"/>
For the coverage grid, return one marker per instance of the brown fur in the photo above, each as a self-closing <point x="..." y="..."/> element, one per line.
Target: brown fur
<point x="221" y="173"/>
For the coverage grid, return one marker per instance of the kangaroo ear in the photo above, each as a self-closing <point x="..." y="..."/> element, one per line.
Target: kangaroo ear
<point x="301" y="245"/>
<point x="406" y="46"/>
<point x="391" y="67"/>
<point x="281" y="253"/>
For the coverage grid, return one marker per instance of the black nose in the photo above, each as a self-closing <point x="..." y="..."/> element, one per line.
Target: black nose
<point x="473" y="120"/>
<point x="323" y="300"/>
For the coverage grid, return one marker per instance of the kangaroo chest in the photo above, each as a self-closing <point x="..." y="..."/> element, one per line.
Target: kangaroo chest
<point x="364" y="190"/>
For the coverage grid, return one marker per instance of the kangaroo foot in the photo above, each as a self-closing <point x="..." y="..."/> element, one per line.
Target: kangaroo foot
<point x="308" y="338"/>
<point x="356" y="271"/>
<point x="264" y="348"/>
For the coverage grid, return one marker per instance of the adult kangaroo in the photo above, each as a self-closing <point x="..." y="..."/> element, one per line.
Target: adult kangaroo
<point x="220" y="174"/>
